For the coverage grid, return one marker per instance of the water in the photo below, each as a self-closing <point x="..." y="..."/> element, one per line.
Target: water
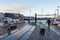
<point x="38" y="20"/>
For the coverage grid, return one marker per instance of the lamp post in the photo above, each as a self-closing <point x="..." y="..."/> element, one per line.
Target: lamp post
<point x="42" y="13"/>
<point x="35" y="18"/>
<point x="54" y="14"/>
<point x="58" y="10"/>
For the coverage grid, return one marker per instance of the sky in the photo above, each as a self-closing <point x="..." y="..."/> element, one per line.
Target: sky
<point x="29" y="7"/>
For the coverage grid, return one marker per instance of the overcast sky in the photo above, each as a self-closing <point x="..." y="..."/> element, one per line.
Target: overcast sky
<point x="29" y="7"/>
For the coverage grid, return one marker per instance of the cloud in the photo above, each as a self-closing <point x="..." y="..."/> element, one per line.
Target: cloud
<point x="16" y="7"/>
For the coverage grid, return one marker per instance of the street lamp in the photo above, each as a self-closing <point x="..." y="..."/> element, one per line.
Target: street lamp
<point x="35" y="18"/>
<point x="58" y="10"/>
<point x="42" y="13"/>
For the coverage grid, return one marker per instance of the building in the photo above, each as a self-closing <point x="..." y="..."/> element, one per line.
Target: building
<point x="1" y="16"/>
<point x="16" y="17"/>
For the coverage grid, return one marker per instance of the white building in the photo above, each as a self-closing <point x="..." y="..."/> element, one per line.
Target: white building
<point x="1" y="16"/>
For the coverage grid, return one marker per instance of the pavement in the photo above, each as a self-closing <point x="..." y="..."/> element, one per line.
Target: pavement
<point x="49" y="34"/>
<point x="19" y="35"/>
<point x="6" y="34"/>
<point x="27" y="35"/>
<point x="3" y="31"/>
<point x="55" y="29"/>
<point x="29" y="32"/>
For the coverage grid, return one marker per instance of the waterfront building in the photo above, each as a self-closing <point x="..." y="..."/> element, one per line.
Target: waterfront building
<point x="16" y="17"/>
<point x="1" y="16"/>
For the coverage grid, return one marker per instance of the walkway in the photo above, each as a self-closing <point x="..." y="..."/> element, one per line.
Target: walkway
<point x="49" y="34"/>
<point x="5" y="34"/>
<point x="55" y="29"/>
<point x="20" y="34"/>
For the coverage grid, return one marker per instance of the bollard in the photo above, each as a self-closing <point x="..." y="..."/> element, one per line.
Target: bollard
<point x="9" y="31"/>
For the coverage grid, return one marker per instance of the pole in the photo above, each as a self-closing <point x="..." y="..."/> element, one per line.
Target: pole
<point x="42" y="13"/>
<point x="57" y="11"/>
<point x="35" y="18"/>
